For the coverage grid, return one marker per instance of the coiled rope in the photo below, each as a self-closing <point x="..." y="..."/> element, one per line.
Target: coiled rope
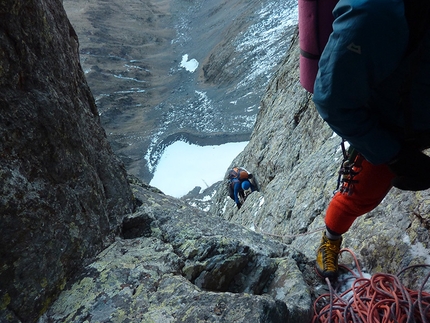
<point x="380" y="299"/>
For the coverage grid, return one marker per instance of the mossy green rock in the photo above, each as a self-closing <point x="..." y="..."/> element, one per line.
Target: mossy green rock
<point x="187" y="267"/>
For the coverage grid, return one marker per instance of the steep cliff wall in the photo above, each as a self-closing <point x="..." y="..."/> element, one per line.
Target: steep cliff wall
<point x="64" y="196"/>
<point x="295" y="157"/>
<point x="63" y="193"/>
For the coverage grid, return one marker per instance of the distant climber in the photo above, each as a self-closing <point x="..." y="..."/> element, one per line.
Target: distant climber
<point x="372" y="88"/>
<point x="240" y="185"/>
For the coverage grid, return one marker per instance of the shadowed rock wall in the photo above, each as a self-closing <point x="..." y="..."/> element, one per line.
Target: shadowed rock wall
<point x="62" y="191"/>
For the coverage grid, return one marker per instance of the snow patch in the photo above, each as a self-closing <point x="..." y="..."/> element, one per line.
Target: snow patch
<point x="261" y="201"/>
<point x="277" y="18"/>
<point x="183" y="166"/>
<point x="190" y="65"/>
<point x="418" y="249"/>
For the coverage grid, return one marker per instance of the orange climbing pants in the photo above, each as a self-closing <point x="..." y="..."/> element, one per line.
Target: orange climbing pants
<point x="374" y="182"/>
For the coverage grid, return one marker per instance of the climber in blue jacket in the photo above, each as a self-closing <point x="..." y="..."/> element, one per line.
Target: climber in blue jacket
<point x="238" y="188"/>
<point x="374" y="94"/>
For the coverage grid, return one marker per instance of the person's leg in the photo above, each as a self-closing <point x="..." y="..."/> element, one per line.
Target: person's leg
<point x="373" y="183"/>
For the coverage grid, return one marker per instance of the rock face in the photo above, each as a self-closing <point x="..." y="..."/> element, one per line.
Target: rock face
<point x="63" y="192"/>
<point x="296" y="157"/>
<point x="174" y="263"/>
<point x="81" y="244"/>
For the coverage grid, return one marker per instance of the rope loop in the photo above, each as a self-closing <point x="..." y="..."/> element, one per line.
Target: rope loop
<point x="382" y="298"/>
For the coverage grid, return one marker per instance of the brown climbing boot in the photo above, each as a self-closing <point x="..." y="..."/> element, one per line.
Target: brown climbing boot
<point x="327" y="257"/>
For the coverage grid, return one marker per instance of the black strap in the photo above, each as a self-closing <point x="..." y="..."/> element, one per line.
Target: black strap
<point x="309" y="55"/>
<point x="417" y="14"/>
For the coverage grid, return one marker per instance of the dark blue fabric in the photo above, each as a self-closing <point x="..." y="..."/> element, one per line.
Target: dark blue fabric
<point x="360" y="75"/>
<point x="236" y="189"/>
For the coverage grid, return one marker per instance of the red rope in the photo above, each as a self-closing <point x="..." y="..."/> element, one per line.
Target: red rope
<point x="379" y="299"/>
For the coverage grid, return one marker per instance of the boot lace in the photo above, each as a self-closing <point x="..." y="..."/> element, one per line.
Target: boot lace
<point x="330" y="255"/>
